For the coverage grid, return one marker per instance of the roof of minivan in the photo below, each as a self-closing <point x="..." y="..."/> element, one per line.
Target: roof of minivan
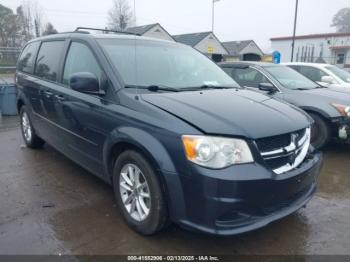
<point x="84" y="35"/>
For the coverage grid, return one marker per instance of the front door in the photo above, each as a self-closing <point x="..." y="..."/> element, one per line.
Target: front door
<point x="84" y="118"/>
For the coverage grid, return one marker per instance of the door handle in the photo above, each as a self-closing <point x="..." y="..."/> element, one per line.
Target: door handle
<point x="60" y="98"/>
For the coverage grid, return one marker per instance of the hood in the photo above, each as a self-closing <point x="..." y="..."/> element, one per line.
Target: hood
<point x="320" y="99"/>
<point x="333" y="95"/>
<point x="231" y="112"/>
<point x="341" y="88"/>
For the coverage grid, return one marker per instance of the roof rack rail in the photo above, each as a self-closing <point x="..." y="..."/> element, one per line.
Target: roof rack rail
<point x="78" y="29"/>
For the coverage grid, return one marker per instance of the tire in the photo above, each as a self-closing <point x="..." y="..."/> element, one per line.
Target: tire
<point x="320" y="132"/>
<point x="130" y="206"/>
<point x="31" y="139"/>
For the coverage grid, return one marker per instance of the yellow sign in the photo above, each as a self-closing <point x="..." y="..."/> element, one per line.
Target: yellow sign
<point x="210" y="50"/>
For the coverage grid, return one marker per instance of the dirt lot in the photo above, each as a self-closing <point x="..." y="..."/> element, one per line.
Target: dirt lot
<point x="49" y="205"/>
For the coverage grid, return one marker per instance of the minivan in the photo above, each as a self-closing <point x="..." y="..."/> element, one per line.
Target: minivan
<point x="175" y="136"/>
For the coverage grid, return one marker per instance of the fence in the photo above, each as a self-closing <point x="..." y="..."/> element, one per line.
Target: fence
<point x="8" y="59"/>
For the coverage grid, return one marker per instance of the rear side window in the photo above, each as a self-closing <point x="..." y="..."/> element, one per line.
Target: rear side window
<point x="26" y="61"/>
<point x="48" y="60"/>
<point x="80" y="59"/>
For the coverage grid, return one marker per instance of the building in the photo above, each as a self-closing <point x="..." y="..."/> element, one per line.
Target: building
<point x="152" y="30"/>
<point x="206" y="43"/>
<point x="333" y="48"/>
<point x="246" y="50"/>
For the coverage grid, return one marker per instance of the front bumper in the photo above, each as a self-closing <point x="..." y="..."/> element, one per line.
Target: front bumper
<point x="342" y="129"/>
<point x="242" y="198"/>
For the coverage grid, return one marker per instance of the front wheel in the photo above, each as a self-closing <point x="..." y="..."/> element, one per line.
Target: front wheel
<point x="30" y="137"/>
<point x="320" y="132"/>
<point x="138" y="193"/>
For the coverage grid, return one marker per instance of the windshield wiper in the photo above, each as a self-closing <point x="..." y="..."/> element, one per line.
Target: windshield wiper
<point x="302" y="89"/>
<point x="208" y="87"/>
<point x="155" y="88"/>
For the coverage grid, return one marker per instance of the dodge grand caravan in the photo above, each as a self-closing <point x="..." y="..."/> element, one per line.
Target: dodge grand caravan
<point x="174" y="135"/>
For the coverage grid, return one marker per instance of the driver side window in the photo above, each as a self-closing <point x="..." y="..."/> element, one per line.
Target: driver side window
<point x="80" y="59"/>
<point x="249" y="77"/>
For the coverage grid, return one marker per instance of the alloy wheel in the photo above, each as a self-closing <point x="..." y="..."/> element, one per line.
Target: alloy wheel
<point x="26" y="127"/>
<point x="135" y="192"/>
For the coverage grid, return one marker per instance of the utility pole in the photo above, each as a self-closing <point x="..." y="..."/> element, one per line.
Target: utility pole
<point x="213" y="15"/>
<point x="36" y="25"/>
<point x="295" y="28"/>
<point x="134" y="12"/>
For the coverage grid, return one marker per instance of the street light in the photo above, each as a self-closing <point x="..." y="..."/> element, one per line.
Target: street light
<point x="213" y="14"/>
<point x="295" y="27"/>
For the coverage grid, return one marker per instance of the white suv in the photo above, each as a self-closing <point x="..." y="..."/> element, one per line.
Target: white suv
<point x="324" y="74"/>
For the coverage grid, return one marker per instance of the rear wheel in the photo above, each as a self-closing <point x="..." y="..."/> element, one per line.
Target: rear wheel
<point x="30" y="137"/>
<point x="138" y="193"/>
<point x="320" y="132"/>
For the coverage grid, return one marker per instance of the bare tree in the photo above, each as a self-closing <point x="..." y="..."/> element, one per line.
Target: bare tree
<point x="9" y="28"/>
<point x="342" y="20"/>
<point x="49" y="29"/>
<point x="120" y="16"/>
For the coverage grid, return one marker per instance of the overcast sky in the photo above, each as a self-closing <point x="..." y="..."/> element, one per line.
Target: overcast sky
<point x="235" y="19"/>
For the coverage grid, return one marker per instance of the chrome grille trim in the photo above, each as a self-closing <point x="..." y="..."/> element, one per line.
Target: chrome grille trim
<point x="297" y="150"/>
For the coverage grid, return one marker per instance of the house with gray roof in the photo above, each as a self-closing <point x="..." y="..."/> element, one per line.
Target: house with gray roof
<point x="246" y="50"/>
<point x="152" y="30"/>
<point x="205" y="42"/>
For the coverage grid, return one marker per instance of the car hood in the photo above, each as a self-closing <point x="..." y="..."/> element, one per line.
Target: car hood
<point x="333" y="95"/>
<point x="231" y="112"/>
<point x="341" y="88"/>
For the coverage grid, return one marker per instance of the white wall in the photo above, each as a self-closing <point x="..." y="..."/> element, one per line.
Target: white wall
<point x="211" y="42"/>
<point x="285" y="48"/>
<point x="252" y="48"/>
<point x="158" y="32"/>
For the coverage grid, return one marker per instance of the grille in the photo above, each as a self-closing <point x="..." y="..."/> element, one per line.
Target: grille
<point x="274" y="142"/>
<point x="285" y="152"/>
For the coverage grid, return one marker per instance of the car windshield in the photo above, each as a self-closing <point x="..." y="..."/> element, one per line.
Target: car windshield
<point x="290" y="78"/>
<point x="163" y="64"/>
<point x="342" y="74"/>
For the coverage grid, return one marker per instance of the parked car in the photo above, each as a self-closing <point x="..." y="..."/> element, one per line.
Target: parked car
<point x="174" y="135"/>
<point x="324" y="74"/>
<point x="329" y="109"/>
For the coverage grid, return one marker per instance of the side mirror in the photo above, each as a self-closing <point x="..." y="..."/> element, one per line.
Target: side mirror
<point x="327" y="79"/>
<point x="267" y="87"/>
<point x="84" y="82"/>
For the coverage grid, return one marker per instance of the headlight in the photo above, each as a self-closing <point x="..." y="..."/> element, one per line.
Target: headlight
<point x="216" y="152"/>
<point x="343" y="110"/>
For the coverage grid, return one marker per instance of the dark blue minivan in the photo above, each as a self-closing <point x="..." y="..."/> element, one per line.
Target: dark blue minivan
<point x="175" y="136"/>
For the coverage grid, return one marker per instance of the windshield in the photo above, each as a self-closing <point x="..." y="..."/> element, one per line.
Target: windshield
<point x="342" y="74"/>
<point x="290" y="78"/>
<point x="163" y="64"/>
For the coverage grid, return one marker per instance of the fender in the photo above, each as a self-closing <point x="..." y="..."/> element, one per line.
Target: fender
<point x="142" y="140"/>
<point x="317" y="110"/>
<point x="155" y="151"/>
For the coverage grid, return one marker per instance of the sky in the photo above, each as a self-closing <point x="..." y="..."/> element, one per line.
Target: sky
<point x="234" y="19"/>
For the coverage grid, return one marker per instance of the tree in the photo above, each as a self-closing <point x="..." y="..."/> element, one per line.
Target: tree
<point x="49" y="29"/>
<point x="341" y="20"/>
<point x="8" y="27"/>
<point x="120" y="16"/>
